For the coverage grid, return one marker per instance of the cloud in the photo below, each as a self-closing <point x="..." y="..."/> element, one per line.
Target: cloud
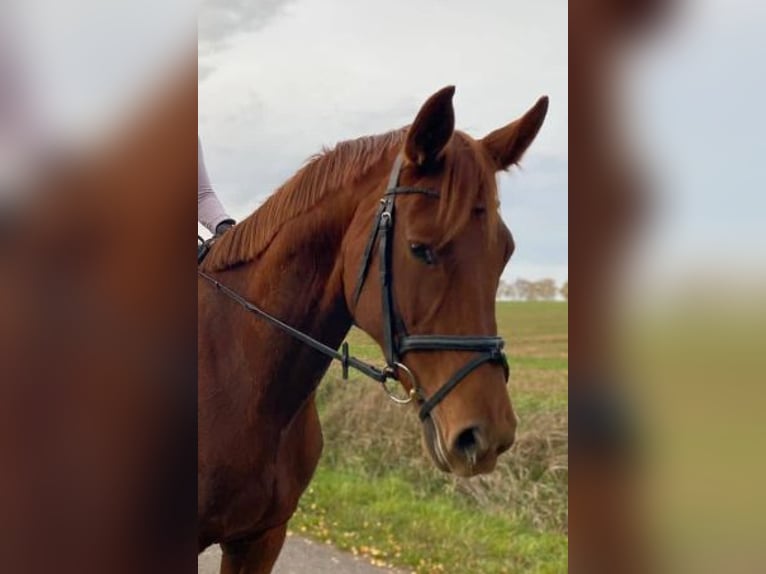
<point x="220" y="20"/>
<point x="534" y="206"/>
<point x="316" y="72"/>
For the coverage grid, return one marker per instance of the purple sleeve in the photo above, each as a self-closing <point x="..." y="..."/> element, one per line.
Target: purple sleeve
<point x="210" y="212"/>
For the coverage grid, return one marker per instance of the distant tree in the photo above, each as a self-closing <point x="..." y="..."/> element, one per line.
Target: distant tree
<point x="503" y="290"/>
<point x="545" y="289"/>
<point x="524" y="290"/>
<point x="511" y="293"/>
<point x="565" y="290"/>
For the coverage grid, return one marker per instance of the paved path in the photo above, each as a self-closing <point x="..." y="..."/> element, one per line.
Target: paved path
<point x="301" y="556"/>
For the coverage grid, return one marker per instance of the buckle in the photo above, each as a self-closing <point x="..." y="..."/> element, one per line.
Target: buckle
<point x="344" y="360"/>
<point x="391" y="374"/>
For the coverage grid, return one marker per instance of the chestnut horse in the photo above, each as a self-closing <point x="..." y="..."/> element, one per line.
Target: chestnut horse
<point x="302" y="258"/>
<point x="97" y="323"/>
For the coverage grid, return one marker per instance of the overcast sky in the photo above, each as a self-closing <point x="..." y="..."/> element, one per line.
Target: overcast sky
<point x="281" y="78"/>
<point x="84" y="61"/>
<point x="696" y="96"/>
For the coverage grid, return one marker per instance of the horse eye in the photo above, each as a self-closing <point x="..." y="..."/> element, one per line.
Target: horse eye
<point x="423" y="252"/>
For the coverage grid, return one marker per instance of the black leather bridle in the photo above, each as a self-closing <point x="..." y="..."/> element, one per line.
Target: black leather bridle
<point x="396" y="341"/>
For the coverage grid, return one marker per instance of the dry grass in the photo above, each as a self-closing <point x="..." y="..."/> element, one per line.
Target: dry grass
<point x="367" y="433"/>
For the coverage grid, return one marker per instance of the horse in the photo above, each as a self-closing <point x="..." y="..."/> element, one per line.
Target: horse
<point x="97" y="350"/>
<point x="419" y="204"/>
<point x="605" y="504"/>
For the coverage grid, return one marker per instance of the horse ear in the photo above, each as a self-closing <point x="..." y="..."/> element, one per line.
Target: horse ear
<point x="508" y="144"/>
<point x="429" y="133"/>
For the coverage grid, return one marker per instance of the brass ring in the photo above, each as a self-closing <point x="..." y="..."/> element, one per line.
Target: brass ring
<point x="413" y="388"/>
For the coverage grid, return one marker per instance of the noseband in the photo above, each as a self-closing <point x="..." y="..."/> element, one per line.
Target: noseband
<point x="396" y="341"/>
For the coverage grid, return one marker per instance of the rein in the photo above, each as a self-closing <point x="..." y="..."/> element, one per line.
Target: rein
<point x="396" y="342"/>
<point x="380" y="375"/>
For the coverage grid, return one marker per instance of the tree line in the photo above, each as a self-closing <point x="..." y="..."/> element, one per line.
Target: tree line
<point x="526" y="290"/>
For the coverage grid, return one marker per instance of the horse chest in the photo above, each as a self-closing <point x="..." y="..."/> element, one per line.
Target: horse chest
<point x="263" y="490"/>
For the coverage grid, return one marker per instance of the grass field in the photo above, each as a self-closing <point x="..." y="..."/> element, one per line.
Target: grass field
<point x="376" y="494"/>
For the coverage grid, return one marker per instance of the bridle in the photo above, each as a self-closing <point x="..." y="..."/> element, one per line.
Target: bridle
<point x="396" y="341"/>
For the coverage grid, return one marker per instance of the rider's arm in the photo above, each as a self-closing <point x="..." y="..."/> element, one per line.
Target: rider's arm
<point x="210" y="212"/>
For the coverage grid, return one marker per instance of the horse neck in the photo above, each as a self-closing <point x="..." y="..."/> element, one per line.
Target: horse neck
<point x="298" y="279"/>
<point x="303" y="265"/>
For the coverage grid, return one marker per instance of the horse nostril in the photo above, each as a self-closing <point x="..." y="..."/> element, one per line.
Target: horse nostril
<point x="468" y="440"/>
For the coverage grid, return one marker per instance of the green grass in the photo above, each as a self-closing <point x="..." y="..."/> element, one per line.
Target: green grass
<point x="542" y="363"/>
<point x="393" y="522"/>
<point x="376" y="494"/>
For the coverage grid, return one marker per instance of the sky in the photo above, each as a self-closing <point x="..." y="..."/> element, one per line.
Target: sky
<point x="694" y="100"/>
<point x="280" y="79"/>
<point x="87" y="61"/>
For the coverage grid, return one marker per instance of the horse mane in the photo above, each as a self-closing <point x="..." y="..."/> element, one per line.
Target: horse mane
<point x="468" y="179"/>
